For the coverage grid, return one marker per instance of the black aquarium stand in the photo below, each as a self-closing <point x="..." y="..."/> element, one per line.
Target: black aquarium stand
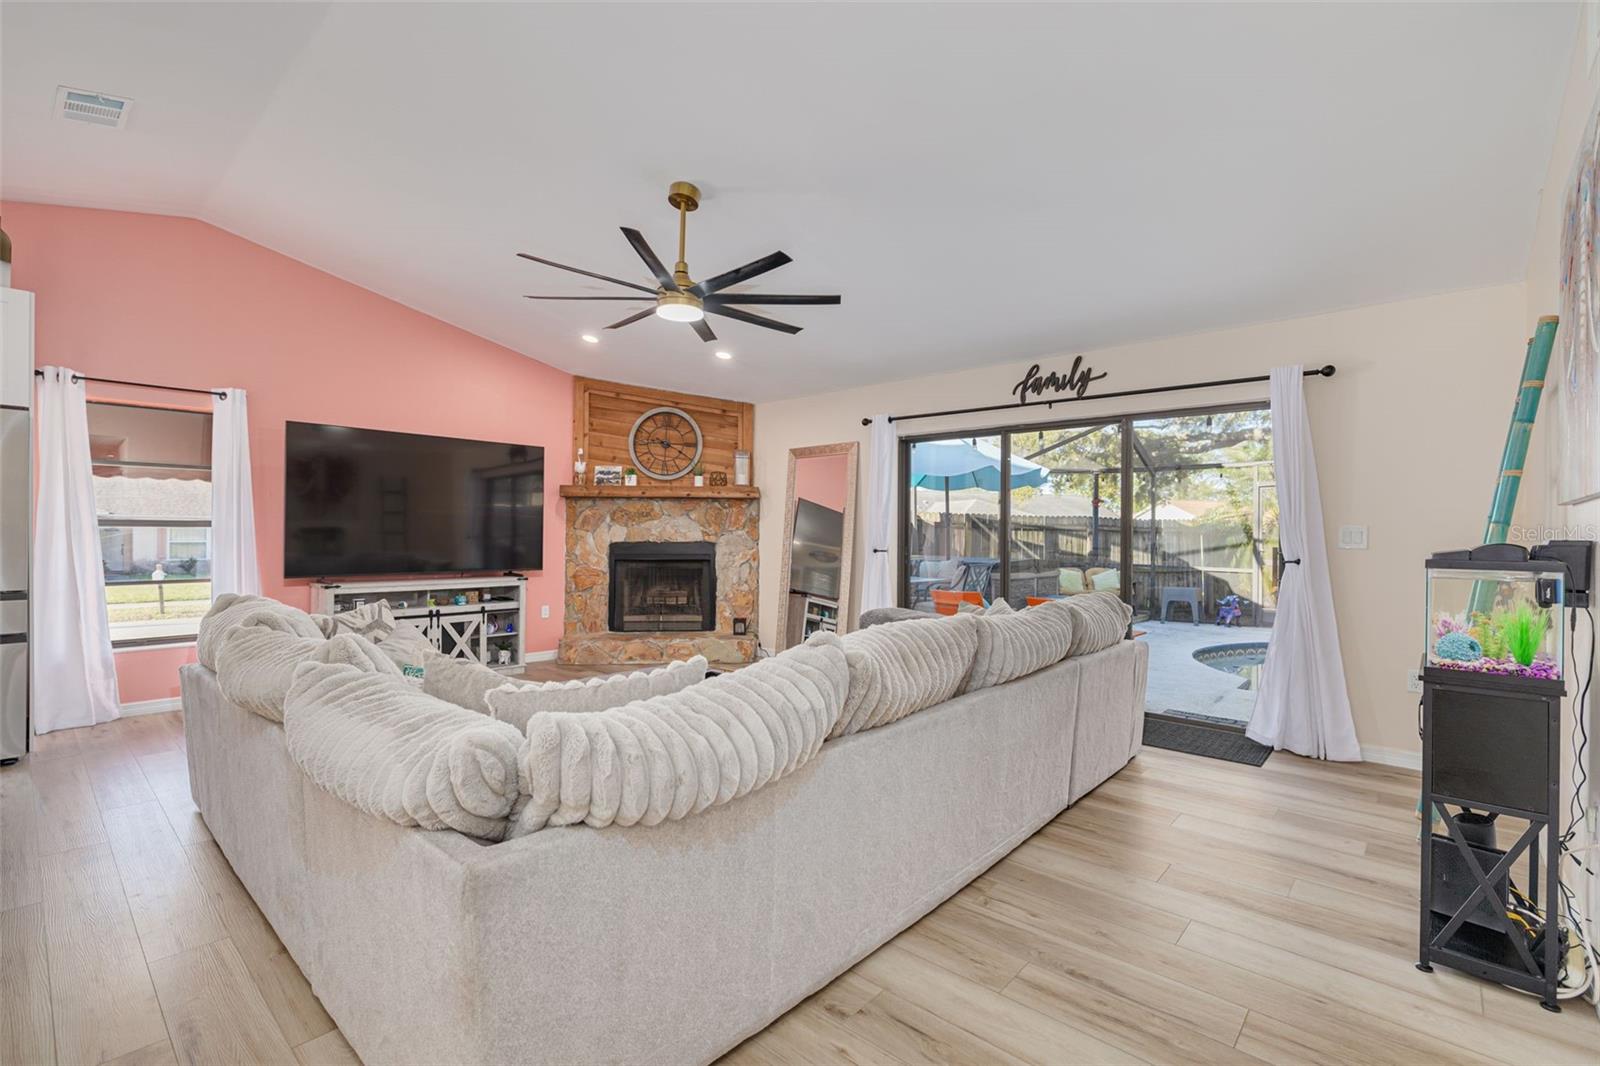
<point x="1490" y="745"/>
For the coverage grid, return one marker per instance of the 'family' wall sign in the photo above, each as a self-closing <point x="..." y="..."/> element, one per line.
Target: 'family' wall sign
<point x="1076" y="380"/>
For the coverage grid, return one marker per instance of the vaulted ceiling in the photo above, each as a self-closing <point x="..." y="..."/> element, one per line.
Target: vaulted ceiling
<point x="982" y="183"/>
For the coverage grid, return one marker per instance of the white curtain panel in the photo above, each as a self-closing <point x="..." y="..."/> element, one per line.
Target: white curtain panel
<point x="877" y="582"/>
<point x="1302" y="705"/>
<point x="74" y="671"/>
<point x="233" y="511"/>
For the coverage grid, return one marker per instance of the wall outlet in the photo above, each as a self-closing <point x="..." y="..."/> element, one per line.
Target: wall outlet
<point x="1414" y="681"/>
<point x="544" y="610"/>
<point x="1353" y="538"/>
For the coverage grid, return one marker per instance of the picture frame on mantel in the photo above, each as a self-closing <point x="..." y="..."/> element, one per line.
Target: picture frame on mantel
<point x="607" y="474"/>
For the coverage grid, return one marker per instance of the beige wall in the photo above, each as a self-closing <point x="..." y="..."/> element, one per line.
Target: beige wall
<point x="1408" y="438"/>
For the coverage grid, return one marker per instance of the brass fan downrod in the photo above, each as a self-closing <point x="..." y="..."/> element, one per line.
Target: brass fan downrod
<point x="685" y="197"/>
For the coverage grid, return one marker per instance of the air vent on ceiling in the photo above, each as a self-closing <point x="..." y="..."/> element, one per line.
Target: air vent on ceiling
<point x="97" y="109"/>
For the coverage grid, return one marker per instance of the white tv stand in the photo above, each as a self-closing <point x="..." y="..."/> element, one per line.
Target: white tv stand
<point x="476" y="631"/>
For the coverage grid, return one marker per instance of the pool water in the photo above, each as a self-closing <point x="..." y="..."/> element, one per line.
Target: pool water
<point x="1242" y="659"/>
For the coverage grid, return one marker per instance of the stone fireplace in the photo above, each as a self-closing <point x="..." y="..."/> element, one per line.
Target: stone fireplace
<point x="656" y="578"/>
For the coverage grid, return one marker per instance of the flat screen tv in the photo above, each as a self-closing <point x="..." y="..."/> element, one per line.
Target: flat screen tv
<point x="368" y="501"/>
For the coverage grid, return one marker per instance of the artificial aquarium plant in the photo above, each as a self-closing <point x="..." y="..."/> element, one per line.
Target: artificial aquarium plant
<point x="1524" y="630"/>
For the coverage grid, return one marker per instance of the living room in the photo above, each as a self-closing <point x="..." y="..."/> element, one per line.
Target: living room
<point x="572" y="512"/>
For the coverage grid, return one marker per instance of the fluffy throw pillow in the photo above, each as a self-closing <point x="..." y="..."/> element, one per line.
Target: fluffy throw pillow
<point x="462" y="682"/>
<point x="998" y="607"/>
<point x="408" y="648"/>
<point x="231" y="609"/>
<point x="375" y="621"/>
<point x="256" y="664"/>
<point x="1014" y="643"/>
<point x="515" y="702"/>
<point x="394" y="752"/>
<point x="1099" y="620"/>
<point x="900" y="669"/>
<point x="674" y="755"/>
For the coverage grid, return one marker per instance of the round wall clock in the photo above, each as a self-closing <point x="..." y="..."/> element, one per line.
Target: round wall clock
<point x="665" y="443"/>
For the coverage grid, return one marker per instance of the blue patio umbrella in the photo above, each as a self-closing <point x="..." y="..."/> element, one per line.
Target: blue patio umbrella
<point x="967" y="464"/>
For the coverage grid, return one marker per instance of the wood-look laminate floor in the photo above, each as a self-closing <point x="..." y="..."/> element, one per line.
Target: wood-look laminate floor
<point x="1187" y="911"/>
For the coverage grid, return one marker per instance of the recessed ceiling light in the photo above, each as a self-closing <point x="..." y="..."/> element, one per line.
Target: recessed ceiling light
<point x="724" y="355"/>
<point x="591" y="338"/>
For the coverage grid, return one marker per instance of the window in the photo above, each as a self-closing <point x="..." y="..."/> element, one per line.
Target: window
<point x="152" y="488"/>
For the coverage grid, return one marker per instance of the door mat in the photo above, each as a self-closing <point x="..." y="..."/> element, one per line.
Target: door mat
<point x="1212" y="742"/>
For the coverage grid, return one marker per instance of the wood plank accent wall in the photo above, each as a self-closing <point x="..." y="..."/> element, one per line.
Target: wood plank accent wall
<point x="603" y="413"/>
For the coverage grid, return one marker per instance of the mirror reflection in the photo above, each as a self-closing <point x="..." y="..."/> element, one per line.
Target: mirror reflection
<point x="820" y="516"/>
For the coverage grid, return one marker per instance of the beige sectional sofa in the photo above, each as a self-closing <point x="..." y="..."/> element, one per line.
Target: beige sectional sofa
<point x="663" y="944"/>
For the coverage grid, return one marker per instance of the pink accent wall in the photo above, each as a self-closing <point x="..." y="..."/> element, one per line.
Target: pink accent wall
<point x="821" y="479"/>
<point x="179" y="302"/>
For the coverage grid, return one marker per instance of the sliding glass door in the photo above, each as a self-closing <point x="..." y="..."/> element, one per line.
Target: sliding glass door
<point x="1177" y="513"/>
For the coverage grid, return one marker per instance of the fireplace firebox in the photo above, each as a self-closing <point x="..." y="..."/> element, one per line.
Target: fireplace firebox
<point x="663" y="588"/>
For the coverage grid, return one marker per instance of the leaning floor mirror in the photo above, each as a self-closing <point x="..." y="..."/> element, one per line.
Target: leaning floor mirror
<point x="819" y="519"/>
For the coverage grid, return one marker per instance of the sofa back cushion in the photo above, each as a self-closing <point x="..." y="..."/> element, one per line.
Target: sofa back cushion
<point x="514" y="702"/>
<point x="1099" y="620"/>
<point x="677" y="754"/>
<point x="256" y="664"/>
<point x="231" y="609"/>
<point x="1014" y="643"/>
<point x="387" y="748"/>
<point x="899" y="669"/>
<point x="463" y="682"/>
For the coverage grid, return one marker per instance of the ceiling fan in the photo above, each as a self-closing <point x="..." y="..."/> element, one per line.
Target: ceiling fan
<point x="677" y="297"/>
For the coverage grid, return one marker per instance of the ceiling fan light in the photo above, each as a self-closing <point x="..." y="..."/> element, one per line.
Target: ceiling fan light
<point x="679" y="307"/>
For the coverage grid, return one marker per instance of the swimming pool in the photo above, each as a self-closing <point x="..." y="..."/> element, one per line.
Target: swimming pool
<point x="1242" y="659"/>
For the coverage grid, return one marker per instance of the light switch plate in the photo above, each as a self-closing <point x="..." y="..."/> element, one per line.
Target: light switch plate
<point x="544" y="610"/>
<point x="1353" y="537"/>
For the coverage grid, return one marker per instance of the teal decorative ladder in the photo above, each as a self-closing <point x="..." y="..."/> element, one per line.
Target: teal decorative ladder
<point x="1522" y="416"/>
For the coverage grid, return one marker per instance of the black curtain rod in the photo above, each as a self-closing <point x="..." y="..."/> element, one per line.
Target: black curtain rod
<point x="218" y="393"/>
<point x="1320" y="372"/>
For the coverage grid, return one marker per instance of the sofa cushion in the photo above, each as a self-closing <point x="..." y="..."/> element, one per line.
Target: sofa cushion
<point x="256" y="663"/>
<point x="1070" y="580"/>
<point x="677" y="754"/>
<point x="878" y="616"/>
<point x="1099" y="620"/>
<point x="1014" y="643"/>
<point x="514" y="702"/>
<point x="232" y="609"/>
<point x="397" y="753"/>
<point x="408" y="648"/>
<point x="375" y="621"/>
<point x="463" y="682"/>
<point x="900" y="669"/>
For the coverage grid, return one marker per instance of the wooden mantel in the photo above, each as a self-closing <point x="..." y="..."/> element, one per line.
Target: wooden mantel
<point x="673" y="490"/>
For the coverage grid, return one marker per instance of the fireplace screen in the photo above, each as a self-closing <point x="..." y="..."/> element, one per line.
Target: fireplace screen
<point x="663" y="588"/>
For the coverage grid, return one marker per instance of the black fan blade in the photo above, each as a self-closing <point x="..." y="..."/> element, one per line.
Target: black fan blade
<point x="769" y="298"/>
<point x="587" y="273"/>
<point x="642" y="246"/>
<point x="745" y="316"/>
<point x="631" y="319"/>
<point x="628" y="298"/>
<point x="704" y="329"/>
<point x="738" y="274"/>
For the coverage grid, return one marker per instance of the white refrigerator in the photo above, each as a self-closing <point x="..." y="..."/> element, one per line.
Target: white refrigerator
<point x="16" y="509"/>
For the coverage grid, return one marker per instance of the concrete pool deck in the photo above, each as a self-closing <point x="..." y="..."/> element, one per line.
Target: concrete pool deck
<point x="1182" y="685"/>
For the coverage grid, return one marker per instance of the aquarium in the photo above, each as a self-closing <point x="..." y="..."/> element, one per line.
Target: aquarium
<point x="1496" y="621"/>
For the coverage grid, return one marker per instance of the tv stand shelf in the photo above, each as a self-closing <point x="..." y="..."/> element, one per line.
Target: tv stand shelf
<point x="477" y="631"/>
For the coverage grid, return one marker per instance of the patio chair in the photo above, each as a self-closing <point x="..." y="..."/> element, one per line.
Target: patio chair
<point x="949" y="601"/>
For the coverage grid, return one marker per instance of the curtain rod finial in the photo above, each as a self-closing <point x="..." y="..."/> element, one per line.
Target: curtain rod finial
<point x="1327" y="371"/>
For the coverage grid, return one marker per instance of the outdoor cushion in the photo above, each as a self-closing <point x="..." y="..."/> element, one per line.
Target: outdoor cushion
<point x="1070" y="580"/>
<point x="1106" y="581"/>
